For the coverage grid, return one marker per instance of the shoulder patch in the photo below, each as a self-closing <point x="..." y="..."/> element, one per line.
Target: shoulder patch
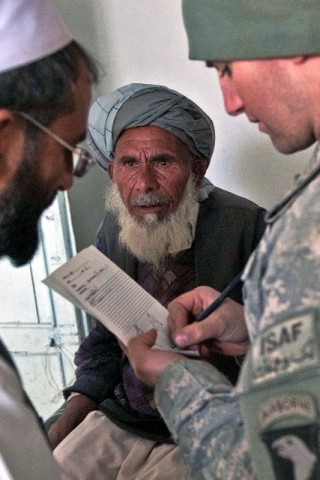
<point x="279" y="398"/>
<point x="288" y="347"/>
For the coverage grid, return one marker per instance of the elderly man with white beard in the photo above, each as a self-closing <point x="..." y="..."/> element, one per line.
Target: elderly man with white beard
<point x="170" y="229"/>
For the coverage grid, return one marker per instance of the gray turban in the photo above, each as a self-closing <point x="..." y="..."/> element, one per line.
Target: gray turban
<point x="138" y="105"/>
<point x="251" y="29"/>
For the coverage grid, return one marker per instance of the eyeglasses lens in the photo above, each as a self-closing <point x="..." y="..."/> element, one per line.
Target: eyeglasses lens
<point x="82" y="161"/>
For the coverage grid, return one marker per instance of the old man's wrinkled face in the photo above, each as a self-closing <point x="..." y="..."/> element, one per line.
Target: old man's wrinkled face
<point x="151" y="170"/>
<point x="154" y="193"/>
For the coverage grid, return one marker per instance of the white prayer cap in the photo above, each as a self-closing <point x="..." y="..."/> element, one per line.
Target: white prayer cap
<point x="29" y="30"/>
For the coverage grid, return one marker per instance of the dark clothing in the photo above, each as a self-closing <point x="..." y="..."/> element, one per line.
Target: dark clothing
<point x="228" y="230"/>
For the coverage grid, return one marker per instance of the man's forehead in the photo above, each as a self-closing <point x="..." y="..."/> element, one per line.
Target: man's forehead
<point x="149" y="137"/>
<point x="147" y="131"/>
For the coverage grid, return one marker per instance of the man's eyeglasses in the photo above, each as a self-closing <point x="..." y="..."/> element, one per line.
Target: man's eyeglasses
<point x="82" y="158"/>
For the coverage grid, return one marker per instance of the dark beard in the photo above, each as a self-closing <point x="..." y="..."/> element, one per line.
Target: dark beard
<point x="21" y="205"/>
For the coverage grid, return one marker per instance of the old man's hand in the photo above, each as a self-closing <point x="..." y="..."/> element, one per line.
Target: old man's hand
<point x="148" y="363"/>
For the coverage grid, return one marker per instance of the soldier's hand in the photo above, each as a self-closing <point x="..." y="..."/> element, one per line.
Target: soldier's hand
<point x="224" y="331"/>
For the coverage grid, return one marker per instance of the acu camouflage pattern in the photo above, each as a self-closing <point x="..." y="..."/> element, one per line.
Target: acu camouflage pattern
<point x="202" y="412"/>
<point x="276" y="404"/>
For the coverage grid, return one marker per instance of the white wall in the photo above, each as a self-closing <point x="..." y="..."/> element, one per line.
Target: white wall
<point x="144" y="41"/>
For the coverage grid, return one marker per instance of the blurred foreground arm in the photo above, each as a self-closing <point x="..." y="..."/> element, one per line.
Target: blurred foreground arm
<point x="24" y="450"/>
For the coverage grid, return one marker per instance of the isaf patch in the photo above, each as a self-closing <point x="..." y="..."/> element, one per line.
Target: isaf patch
<point x="285" y="348"/>
<point x="279" y="393"/>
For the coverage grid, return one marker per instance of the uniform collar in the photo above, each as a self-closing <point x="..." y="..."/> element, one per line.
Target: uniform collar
<point x="301" y="181"/>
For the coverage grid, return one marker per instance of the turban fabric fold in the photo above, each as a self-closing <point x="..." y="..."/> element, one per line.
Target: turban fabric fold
<point x="138" y="105"/>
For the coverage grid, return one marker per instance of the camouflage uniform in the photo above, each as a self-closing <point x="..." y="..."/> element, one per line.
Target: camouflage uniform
<point x="277" y="399"/>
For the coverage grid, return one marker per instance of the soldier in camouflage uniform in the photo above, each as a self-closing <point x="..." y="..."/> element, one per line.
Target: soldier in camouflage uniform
<point x="268" y="426"/>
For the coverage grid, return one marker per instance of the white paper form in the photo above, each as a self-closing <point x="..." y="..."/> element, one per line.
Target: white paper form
<point x="95" y="284"/>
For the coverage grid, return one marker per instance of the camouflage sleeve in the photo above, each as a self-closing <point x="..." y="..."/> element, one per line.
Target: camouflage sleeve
<point x="201" y="410"/>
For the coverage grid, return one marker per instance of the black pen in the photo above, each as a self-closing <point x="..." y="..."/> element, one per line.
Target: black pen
<point x="217" y="302"/>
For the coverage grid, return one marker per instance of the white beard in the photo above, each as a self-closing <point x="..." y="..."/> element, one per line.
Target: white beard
<point x="152" y="240"/>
